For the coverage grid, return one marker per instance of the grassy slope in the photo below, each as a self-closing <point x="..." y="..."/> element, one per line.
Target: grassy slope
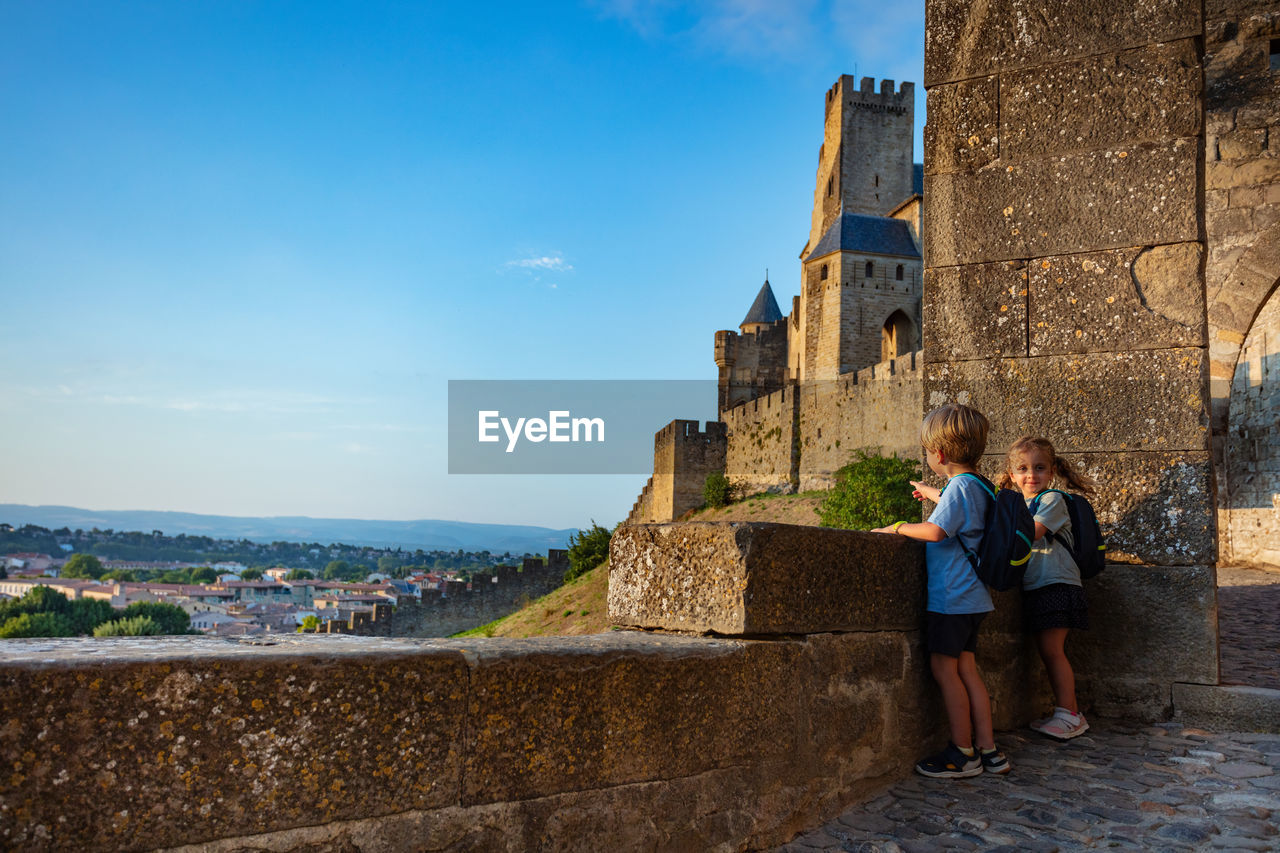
<point x="581" y="607"/>
<point x="578" y="607"/>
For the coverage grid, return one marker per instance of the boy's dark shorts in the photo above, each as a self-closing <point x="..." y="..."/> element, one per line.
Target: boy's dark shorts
<point x="951" y="633"/>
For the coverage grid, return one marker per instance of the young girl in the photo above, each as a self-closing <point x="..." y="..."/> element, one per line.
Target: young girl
<point x="1053" y="599"/>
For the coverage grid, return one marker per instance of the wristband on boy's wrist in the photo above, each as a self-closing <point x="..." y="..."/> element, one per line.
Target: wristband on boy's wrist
<point x="897" y="524"/>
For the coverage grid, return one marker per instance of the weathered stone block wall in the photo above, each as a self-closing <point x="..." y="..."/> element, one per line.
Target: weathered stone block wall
<point x="1242" y="222"/>
<point x="1064" y="276"/>
<point x="877" y="407"/>
<point x="625" y="740"/>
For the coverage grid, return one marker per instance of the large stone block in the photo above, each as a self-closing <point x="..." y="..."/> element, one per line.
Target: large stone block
<point x="1228" y="707"/>
<point x="741" y="579"/>
<point x="975" y="311"/>
<point x="1150" y="626"/>
<point x="965" y="39"/>
<point x="1141" y="400"/>
<point x="122" y="745"/>
<point x="1123" y="299"/>
<point x="1135" y="196"/>
<point x="964" y="126"/>
<point x="549" y="717"/>
<point x="1108" y="101"/>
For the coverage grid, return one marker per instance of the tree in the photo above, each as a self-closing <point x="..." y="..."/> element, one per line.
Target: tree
<point x="336" y="570"/>
<point x="871" y="491"/>
<point x="44" y="624"/>
<point x="388" y="565"/>
<point x="309" y="625"/>
<point x="86" y="614"/>
<point x="170" y="618"/>
<point x="251" y="574"/>
<point x="120" y="575"/>
<point x="717" y="491"/>
<point x="204" y="574"/>
<point x="587" y="549"/>
<point x="299" y="575"/>
<point x="83" y="566"/>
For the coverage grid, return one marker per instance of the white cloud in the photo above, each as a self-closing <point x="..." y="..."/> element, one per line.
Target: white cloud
<point x="553" y="263"/>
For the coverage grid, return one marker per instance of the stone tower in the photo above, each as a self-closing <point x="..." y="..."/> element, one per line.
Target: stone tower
<point x="861" y="268"/>
<point x="865" y="162"/>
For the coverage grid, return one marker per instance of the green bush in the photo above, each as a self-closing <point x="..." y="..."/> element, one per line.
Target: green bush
<point x="170" y="618"/>
<point x="36" y="625"/>
<point x="85" y="614"/>
<point x="872" y="491"/>
<point x="717" y="491"/>
<point x="135" y="626"/>
<point x="587" y="549"/>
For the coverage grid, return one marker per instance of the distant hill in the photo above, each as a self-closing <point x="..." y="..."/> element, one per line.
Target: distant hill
<point x="428" y="535"/>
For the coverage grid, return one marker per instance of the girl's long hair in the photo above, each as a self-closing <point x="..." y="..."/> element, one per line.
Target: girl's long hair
<point x="1076" y="479"/>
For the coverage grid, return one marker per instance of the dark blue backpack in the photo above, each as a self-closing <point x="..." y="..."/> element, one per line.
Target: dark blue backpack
<point x="1089" y="550"/>
<point x="1002" y="555"/>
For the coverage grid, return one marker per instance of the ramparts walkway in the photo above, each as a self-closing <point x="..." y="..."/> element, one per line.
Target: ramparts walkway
<point x="1121" y="786"/>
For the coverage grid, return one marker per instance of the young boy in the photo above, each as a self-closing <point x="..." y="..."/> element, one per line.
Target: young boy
<point x="954" y="437"/>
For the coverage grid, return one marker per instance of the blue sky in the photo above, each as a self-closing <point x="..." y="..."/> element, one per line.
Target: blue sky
<point x="244" y="246"/>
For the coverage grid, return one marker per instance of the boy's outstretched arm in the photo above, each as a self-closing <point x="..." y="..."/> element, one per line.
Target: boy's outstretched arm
<point x="924" y="491"/>
<point x="925" y="531"/>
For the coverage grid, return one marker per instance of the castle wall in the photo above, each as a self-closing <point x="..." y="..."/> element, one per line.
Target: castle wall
<point x="760" y="454"/>
<point x="1242" y="222"/>
<point x="799" y="437"/>
<point x="878" y="408"/>
<point x="442" y="613"/>
<point x="1057" y="143"/>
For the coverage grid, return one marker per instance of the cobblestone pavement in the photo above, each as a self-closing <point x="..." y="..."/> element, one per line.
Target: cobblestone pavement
<point x="1122" y="786"/>
<point x="1249" y="627"/>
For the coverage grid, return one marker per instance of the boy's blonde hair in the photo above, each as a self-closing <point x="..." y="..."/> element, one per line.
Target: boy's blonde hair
<point x="958" y="431"/>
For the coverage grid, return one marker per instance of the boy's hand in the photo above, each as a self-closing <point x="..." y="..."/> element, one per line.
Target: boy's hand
<point x="925" y="492"/>
<point x="888" y="529"/>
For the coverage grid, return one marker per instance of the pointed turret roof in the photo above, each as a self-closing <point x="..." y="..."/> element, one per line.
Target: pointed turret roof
<point x="764" y="309"/>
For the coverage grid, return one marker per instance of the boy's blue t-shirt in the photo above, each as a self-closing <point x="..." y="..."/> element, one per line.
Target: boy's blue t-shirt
<point x="953" y="585"/>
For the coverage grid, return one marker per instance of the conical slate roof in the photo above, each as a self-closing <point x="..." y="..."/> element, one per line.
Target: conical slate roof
<point x="764" y="309"/>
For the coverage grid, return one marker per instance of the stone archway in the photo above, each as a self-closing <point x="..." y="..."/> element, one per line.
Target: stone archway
<point x="898" y="336"/>
<point x="1233" y="303"/>
<point x="1250" y="490"/>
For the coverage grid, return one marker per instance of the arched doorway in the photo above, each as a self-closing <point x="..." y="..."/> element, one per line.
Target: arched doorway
<point x="897" y="336"/>
<point x="1252" y="439"/>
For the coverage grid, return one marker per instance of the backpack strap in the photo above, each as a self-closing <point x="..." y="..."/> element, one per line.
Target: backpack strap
<point x="1053" y="534"/>
<point x="989" y="488"/>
